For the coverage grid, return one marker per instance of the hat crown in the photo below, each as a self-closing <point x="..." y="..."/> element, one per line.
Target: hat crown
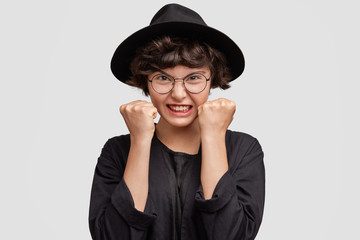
<point x="175" y="20"/>
<point x="176" y="13"/>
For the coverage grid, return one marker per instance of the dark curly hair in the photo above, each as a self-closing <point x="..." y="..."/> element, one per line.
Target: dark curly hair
<point x="168" y="52"/>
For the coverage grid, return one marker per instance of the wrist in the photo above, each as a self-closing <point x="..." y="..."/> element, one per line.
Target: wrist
<point x="212" y="135"/>
<point x="141" y="140"/>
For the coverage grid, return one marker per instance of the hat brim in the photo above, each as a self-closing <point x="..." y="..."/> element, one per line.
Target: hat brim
<point x="120" y="63"/>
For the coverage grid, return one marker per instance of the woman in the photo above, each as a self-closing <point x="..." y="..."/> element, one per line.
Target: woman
<point x="186" y="177"/>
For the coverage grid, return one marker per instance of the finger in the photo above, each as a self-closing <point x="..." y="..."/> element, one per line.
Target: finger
<point x="139" y="102"/>
<point x="199" y="109"/>
<point x="154" y="112"/>
<point x="133" y="103"/>
<point x="143" y="107"/>
<point x="150" y="111"/>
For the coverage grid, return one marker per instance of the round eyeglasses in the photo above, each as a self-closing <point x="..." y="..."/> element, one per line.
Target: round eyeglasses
<point x="163" y="83"/>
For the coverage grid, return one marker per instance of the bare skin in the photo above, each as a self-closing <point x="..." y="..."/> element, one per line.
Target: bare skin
<point x="139" y="118"/>
<point x="214" y="119"/>
<point x="206" y="123"/>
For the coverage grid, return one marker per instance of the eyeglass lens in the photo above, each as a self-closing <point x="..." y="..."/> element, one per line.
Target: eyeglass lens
<point x="194" y="83"/>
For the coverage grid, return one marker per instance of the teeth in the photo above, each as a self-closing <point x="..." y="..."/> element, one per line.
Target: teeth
<point x="180" y="108"/>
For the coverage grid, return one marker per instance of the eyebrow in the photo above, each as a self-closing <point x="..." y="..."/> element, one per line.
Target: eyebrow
<point x="203" y="72"/>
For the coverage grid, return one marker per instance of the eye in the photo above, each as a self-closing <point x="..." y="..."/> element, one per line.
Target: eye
<point x="162" y="78"/>
<point x="195" y="78"/>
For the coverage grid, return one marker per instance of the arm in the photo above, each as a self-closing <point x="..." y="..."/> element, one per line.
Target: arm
<point x="236" y="207"/>
<point x="119" y="207"/>
<point x="112" y="213"/>
<point x="214" y="119"/>
<point x="214" y="162"/>
<point x="136" y="173"/>
<point x="139" y="118"/>
<point x="231" y="199"/>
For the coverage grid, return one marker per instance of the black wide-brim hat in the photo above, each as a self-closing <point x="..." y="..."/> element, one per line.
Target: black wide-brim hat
<point x="178" y="21"/>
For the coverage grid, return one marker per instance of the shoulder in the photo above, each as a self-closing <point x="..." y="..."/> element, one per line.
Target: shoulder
<point x="240" y="144"/>
<point x="120" y="141"/>
<point x="240" y="139"/>
<point x="116" y="147"/>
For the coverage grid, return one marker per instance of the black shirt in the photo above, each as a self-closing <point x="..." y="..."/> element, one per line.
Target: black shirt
<point x="176" y="208"/>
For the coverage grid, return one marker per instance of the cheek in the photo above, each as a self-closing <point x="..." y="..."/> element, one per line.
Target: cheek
<point x="156" y="99"/>
<point x="203" y="97"/>
<point x="153" y="96"/>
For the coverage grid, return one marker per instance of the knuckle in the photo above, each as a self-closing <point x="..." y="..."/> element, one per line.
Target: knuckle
<point x="136" y="108"/>
<point x="123" y="108"/>
<point x="143" y="109"/>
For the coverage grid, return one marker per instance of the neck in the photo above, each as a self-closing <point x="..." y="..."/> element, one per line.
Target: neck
<point x="180" y="139"/>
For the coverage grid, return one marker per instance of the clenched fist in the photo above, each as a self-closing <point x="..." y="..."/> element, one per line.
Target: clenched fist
<point x="215" y="116"/>
<point x="139" y="118"/>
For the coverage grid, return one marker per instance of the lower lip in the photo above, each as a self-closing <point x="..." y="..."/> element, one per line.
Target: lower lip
<point x="180" y="114"/>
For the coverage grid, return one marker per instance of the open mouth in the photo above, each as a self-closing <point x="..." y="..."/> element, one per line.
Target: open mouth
<point x="179" y="108"/>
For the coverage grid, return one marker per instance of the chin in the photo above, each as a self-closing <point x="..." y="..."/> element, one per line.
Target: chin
<point x="180" y="122"/>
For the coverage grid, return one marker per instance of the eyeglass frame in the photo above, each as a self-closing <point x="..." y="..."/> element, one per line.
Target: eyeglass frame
<point x="183" y="79"/>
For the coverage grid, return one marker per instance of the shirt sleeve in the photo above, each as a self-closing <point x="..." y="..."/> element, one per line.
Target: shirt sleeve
<point x="236" y="208"/>
<point x="112" y="213"/>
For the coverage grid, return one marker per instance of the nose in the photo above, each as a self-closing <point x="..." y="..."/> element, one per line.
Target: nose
<point x="179" y="90"/>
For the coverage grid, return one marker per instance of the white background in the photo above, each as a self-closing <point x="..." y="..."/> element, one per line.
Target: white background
<point x="59" y="105"/>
